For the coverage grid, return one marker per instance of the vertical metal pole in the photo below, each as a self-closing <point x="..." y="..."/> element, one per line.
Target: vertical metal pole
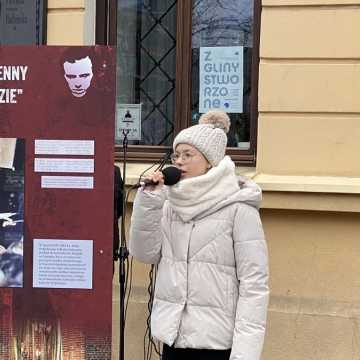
<point x="123" y="256"/>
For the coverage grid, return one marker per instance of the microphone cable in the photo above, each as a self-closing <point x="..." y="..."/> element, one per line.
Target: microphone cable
<point x="159" y="167"/>
<point x="149" y="344"/>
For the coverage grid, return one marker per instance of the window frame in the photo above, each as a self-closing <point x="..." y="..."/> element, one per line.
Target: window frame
<point x="106" y="30"/>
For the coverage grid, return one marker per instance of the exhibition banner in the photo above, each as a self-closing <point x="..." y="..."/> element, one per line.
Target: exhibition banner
<point x="57" y="117"/>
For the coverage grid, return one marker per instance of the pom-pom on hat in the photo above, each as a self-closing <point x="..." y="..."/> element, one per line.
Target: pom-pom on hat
<point x="209" y="137"/>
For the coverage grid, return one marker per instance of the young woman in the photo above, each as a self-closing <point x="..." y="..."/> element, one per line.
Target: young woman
<point x="206" y="236"/>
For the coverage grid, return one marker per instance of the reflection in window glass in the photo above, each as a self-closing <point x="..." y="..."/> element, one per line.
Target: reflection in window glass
<point x="223" y="23"/>
<point x="146" y="37"/>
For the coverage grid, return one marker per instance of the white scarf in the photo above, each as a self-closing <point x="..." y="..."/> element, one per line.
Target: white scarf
<point x="191" y="197"/>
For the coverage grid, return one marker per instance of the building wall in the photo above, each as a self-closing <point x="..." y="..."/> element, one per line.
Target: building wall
<point x="309" y="85"/>
<point x="309" y="126"/>
<point x="315" y="287"/>
<point x="71" y="22"/>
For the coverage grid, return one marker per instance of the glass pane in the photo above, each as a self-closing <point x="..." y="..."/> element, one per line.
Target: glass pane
<point x="223" y="26"/>
<point x="146" y="39"/>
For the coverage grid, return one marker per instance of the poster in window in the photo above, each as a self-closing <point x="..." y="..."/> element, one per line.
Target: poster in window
<point x="221" y="79"/>
<point x="128" y="121"/>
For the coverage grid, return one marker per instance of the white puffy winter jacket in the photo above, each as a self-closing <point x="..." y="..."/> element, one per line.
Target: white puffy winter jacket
<point x="212" y="283"/>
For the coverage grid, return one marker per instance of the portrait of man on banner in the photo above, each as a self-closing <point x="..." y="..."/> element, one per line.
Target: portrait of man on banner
<point x="83" y="71"/>
<point x="78" y="74"/>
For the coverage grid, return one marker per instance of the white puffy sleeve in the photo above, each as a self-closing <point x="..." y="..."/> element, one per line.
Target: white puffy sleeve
<point x="145" y="230"/>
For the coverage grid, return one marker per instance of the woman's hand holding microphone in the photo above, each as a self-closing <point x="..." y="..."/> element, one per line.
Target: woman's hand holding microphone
<point x="154" y="181"/>
<point x="169" y="176"/>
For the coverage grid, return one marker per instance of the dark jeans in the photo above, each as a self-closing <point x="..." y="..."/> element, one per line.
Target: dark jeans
<point x="171" y="353"/>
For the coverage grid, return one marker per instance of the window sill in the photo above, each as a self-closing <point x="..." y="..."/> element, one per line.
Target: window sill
<point x="312" y="184"/>
<point x="310" y="193"/>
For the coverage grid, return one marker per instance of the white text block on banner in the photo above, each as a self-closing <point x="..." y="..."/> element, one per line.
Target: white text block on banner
<point x="63" y="264"/>
<point x="67" y="182"/>
<point x="221" y="78"/>
<point x="64" y="147"/>
<point x="64" y="165"/>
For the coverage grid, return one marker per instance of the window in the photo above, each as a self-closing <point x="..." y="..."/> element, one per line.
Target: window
<point x="163" y="47"/>
<point x="146" y="43"/>
<point x="23" y="22"/>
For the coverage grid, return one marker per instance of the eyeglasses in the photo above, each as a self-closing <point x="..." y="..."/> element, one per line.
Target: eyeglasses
<point x="185" y="157"/>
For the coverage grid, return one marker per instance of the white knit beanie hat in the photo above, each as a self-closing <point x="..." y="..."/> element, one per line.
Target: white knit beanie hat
<point x="209" y="137"/>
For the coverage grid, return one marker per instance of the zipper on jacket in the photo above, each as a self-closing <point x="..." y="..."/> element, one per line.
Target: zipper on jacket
<point x="187" y="262"/>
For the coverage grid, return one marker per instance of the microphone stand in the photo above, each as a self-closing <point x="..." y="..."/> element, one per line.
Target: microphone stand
<point x="123" y="255"/>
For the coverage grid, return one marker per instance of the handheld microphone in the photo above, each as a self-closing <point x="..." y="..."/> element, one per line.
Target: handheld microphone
<point x="171" y="174"/>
